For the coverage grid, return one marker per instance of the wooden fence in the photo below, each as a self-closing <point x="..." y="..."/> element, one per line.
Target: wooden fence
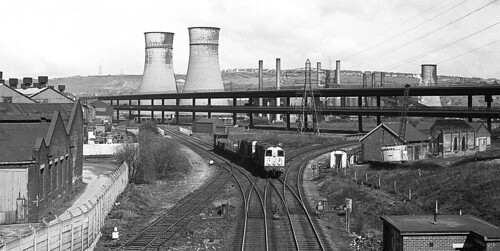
<point x="75" y="229"/>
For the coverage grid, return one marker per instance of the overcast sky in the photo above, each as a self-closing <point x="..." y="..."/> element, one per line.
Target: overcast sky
<point x="66" y="38"/>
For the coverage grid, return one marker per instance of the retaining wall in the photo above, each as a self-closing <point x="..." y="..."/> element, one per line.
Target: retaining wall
<point x="101" y="149"/>
<point x="75" y="229"/>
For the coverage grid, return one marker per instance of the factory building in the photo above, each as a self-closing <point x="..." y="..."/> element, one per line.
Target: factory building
<point x="103" y="112"/>
<point x="35" y="166"/>
<point x="440" y="233"/>
<point x="44" y="137"/>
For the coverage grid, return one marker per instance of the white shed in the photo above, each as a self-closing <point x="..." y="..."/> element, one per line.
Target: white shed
<point x="338" y="159"/>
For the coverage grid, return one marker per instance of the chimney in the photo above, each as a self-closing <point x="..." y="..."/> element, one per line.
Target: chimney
<point x="382" y="79"/>
<point x="2" y="81"/>
<point x="36" y="85"/>
<point x="43" y="81"/>
<point x="278" y="73"/>
<point x="158" y="66"/>
<point x="318" y="69"/>
<point x="27" y="81"/>
<point x="13" y="82"/>
<point x="261" y="82"/>
<point x="61" y="88"/>
<point x="365" y="79"/>
<point x="374" y="74"/>
<point x="50" y="87"/>
<point x="337" y="72"/>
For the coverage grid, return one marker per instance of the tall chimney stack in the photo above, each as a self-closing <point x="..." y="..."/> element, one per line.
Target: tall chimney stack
<point x="261" y="77"/>
<point x="278" y="85"/>
<point x="27" y="81"/>
<point x="318" y="69"/>
<point x="337" y="72"/>
<point x="203" y="68"/>
<point x="365" y="79"/>
<point x="382" y="79"/>
<point x="158" y="67"/>
<point x="374" y="74"/>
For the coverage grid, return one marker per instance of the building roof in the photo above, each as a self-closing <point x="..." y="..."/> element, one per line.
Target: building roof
<point x="477" y="125"/>
<point x="17" y="140"/>
<point x="99" y="103"/>
<point x="33" y="111"/>
<point x="446" y="224"/>
<point x="411" y="135"/>
<point x="206" y="120"/>
<point x="451" y="124"/>
<point x="32" y="92"/>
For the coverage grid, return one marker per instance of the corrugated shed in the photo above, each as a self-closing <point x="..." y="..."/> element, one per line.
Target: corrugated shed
<point x="17" y="140"/>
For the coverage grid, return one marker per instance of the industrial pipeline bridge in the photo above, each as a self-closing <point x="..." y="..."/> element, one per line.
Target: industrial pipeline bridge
<point x="287" y="102"/>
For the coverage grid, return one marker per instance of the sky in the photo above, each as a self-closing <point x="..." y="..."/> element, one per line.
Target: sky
<point x="62" y="38"/>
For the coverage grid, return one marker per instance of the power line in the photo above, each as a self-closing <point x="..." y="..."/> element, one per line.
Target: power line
<point x="496" y="41"/>
<point x="425" y="35"/>
<point x="407" y="30"/>
<point x="404" y="62"/>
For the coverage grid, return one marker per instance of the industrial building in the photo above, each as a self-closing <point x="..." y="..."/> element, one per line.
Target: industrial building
<point x="451" y="137"/>
<point x="11" y="95"/>
<point x="444" y="232"/>
<point x="387" y="134"/>
<point x="102" y="111"/>
<point x="41" y="157"/>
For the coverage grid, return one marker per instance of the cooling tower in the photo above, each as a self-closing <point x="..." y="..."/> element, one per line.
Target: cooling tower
<point x="158" y="68"/>
<point x="203" y="68"/>
<point x="429" y="78"/>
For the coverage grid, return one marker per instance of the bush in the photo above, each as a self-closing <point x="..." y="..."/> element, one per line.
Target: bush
<point x="156" y="158"/>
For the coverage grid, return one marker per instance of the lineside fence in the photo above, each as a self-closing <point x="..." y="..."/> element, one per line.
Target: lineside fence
<point x="76" y="229"/>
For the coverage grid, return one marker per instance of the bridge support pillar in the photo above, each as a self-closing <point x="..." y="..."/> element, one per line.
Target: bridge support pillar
<point x="117" y="115"/>
<point x="251" y="121"/>
<point x="209" y="104"/>
<point x="163" y="111"/>
<point x="378" y="106"/>
<point x="360" y="117"/>
<point x="235" y="103"/>
<point x="469" y="105"/>
<point x="288" y="122"/>
<point x="177" y="117"/>
<point x="488" y="98"/>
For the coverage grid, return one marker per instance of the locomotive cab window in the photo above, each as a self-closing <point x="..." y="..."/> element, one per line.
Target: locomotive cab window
<point x="269" y="153"/>
<point x="281" y="153"/>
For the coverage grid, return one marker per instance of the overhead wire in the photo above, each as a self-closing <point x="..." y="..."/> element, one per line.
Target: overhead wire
<point x="465" y="53"/>
<point x="396" y="26"/>
<point x="423" y="36"/>
<point x="407" y="30"/>
<point x="404" y="62"/>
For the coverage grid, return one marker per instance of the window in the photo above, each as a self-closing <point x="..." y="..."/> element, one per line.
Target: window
<point x="281" y="153"/>
<point x="7" y="99"/>
<point x="464" y="143"/>
<point x="455" y="144"/>
<point x="269" y="153"/>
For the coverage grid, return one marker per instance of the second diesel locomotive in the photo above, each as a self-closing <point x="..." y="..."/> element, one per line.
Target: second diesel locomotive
<point x="268" y="158"/>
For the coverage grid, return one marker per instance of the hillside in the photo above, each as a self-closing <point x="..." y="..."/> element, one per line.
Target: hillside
<point x="240" y="80"/>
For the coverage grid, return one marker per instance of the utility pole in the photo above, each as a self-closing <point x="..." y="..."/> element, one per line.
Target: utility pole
<point x="305" y="106"/>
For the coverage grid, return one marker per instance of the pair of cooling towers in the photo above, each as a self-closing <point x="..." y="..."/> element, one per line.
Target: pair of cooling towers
<point x="203" y="69"/>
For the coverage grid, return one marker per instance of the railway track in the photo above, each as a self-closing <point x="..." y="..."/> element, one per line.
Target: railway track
<point x="274" y="216"/>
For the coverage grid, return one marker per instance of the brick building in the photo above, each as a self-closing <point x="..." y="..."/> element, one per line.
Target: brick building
<point x="449" y="137"/>
<point x="10" y="95"/>
<point x="35" y="166"/>
<point x="387" y="134"/>
<point x="449" y="232"/>
<point x="483" y="136"/>
<point x="28" y="132"/>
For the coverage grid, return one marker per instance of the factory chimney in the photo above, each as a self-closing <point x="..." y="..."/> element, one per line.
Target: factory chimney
<point x="13" y="82"/>
<point x="203" y="68"/>
<point x="337" y="72"/>
<point x="429" y="78"/>
<point x="318" y="69"/>
<point x="158" y="67"/>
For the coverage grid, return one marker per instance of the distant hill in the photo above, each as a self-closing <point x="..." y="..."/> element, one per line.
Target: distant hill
<point x="243" y="79"/>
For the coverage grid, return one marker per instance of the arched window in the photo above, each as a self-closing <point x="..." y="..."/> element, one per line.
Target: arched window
<point x="455" y="144"/>
<point x="464" y="144"/>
